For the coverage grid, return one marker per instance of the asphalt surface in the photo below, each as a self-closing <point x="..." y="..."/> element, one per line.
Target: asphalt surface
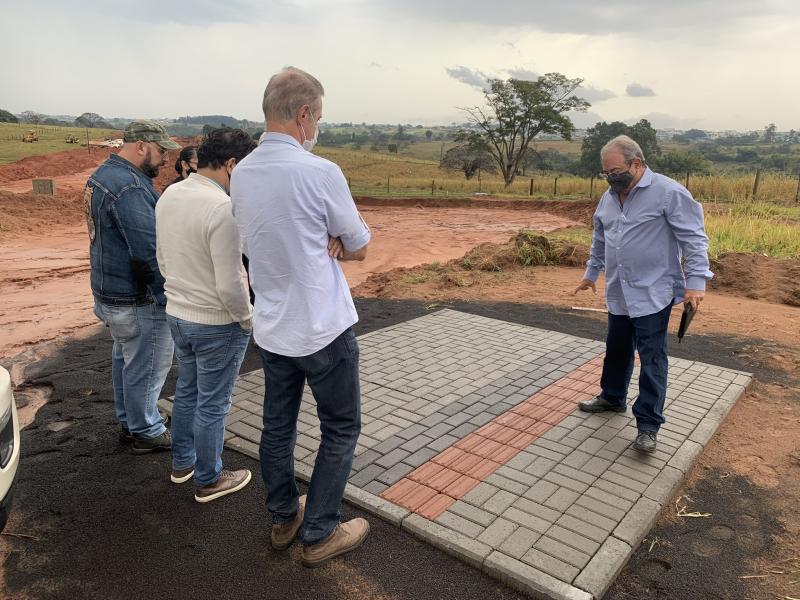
<point x="106" y="524"/>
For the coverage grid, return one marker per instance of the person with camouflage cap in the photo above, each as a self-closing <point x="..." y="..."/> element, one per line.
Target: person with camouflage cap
<point x="128" y="289"/>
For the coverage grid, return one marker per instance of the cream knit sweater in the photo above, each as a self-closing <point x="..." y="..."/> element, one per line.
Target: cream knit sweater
<point x="199" y="253"/>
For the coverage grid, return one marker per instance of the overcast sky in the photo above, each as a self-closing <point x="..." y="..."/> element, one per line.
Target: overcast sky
<point x="711" y="64"/>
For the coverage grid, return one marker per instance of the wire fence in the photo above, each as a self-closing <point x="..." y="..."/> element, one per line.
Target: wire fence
<point x="758" y="186"/>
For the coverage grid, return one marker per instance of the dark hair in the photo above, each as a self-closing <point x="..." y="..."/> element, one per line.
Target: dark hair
<point x="186" y="154"/>
<point x="222" y="144"/>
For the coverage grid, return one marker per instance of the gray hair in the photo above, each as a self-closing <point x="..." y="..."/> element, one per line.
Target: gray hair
<point x="629" y="148"/>
<point x="289" y="90"/>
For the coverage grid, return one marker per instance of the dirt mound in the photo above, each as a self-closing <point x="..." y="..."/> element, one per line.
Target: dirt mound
<point x="577" y="210"/>
<point x="753" y="276"/>
<point x="30" y="212"/>
<point x="525" y="249"/>
<point x="54" y="164"/>
<point x="758" y="277"/>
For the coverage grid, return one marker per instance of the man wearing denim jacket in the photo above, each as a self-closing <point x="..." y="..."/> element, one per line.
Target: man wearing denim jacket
<point x="650" y="240"/>
<point x="128" y="289"/>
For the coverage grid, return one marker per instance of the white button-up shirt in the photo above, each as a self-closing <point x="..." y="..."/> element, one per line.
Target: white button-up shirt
<point x="288" y="202"/>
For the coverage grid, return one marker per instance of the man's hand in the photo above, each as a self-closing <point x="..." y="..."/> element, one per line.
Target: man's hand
<point x="585" y="284"/>
<point x="335" y="247"/>
<point x="694" y="297"/>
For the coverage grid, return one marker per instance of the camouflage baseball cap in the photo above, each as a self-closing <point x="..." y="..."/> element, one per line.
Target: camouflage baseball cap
<point x="149" y="131"/>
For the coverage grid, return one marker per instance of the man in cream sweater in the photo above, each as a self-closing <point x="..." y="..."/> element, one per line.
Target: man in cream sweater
<point x="208" y="309"/>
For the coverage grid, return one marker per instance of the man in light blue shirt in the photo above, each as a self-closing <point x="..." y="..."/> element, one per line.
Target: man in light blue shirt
<point x="297" y="221"/>
<point x="644" y="225"/>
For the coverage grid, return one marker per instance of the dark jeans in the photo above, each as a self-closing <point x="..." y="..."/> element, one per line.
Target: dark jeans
<point x="648" y="335"/>
<point x="332" y="375"/>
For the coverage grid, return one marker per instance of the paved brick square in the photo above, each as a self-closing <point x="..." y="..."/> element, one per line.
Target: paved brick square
<point x="471" y="439"/>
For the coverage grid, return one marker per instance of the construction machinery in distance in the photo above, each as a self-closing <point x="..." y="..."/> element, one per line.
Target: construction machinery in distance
<point x="30" y="136"/>
<point x="72" y="139"/>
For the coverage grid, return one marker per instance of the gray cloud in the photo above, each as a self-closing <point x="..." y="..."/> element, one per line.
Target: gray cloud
<point x="199" y="12"/>
<point x="524" y="74"/>
<point x="469" y="76"/>
<point x="637" y="90"/>
<point x="584" y="120"/>
<point x="594" y="94"/>
<point x="588" y="16"/>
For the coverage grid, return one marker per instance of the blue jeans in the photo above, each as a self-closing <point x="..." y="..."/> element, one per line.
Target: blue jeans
<point x="648" y="335"/>
<point x="141" y="358"/>
<point x="332" y="375"/>
<point x="209" y="357"/>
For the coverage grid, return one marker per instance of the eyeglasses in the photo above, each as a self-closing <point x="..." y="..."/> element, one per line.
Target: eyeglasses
<point x="612" y="172"/>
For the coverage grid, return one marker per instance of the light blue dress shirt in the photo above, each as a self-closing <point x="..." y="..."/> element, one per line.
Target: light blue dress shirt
<point x="641" y="244"/>
<point x="288" y="203"/>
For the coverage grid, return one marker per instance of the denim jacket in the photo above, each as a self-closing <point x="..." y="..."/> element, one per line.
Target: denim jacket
<point x="119" y="204"/>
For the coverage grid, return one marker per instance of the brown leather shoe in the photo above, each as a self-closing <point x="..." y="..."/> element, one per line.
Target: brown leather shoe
<point x="181" y="475"/>
<point x="345" y="538"/>
<point x="283" y="534"/>
<point x="228" y="483"/>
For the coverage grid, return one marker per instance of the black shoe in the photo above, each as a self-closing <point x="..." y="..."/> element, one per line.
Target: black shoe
<point x="126" y="437"/>
<point x="145" y="445"/>
<point x="645" y="441"/>
<point x="600" y="404"/>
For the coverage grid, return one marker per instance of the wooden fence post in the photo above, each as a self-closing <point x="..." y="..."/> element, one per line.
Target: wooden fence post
<point x="687" y="180"/>
<point x="555" y="187"/>
<point x="433" y="182"/>
<point x="591" y="188"/>
<point x="88" y="147"/>
<point x="797" y="193"/>
<point x="387" y="184"/>
<point x="530" y="193"/>
<point x="755" y="185"/>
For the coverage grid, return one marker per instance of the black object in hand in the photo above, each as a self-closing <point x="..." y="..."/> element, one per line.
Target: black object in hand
<point x="686" y="319"/>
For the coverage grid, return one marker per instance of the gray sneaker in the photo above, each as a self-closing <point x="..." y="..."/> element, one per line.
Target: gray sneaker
<point x="645" y="441"/>
<point x="228" y="483"/>
<point x="146" y="445"/>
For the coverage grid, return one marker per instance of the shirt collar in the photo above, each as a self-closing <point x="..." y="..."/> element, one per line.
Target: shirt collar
<point x="204" y="178"/>
<point x="274" y="136"/>
<point x="646" y="180"/>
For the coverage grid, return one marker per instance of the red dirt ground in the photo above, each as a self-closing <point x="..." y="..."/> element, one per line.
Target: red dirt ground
<point x="44" y="284"/>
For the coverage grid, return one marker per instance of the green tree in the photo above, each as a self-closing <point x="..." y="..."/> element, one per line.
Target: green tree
<point x="92" y="120"/>
<point x="769" y="133"/>
<point x="678" y="162"/>
<point x="468" y="161"/>
<point x="599" y="135"/>
<point x="428" y="135"/>
<point x="31" y="116"/>
<point x="7" y="117"/>
<point x="516" y="112"/>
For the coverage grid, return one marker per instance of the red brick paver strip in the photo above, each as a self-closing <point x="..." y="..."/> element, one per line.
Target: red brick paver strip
<point x="481" y="453"/>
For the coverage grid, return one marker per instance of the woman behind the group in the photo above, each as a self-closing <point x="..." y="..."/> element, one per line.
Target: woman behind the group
<point x="186" y="164"/>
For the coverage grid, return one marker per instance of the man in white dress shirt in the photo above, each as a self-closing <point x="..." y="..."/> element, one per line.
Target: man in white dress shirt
<point x="297" y="221"/>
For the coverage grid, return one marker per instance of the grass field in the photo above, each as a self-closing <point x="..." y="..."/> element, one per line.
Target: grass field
<point x="416" y="173"/>
<point x="51" y="139"/>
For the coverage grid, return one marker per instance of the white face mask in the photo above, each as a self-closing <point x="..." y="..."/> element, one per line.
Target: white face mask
<point x="307" y="143"/>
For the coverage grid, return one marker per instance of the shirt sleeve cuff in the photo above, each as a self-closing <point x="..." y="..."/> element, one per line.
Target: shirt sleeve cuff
<point x="351" y="244"/>
<point x="591" y="274"/>
<point x="696" y="283"/>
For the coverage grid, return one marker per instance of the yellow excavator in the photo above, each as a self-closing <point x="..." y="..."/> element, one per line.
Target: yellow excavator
<point x="30" y="136"/>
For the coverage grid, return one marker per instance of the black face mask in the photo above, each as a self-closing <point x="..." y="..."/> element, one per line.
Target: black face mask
<point x="619" y="182"/>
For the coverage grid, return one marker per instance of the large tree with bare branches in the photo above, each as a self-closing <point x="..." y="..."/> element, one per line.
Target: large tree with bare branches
<point x="516" y="112"/>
